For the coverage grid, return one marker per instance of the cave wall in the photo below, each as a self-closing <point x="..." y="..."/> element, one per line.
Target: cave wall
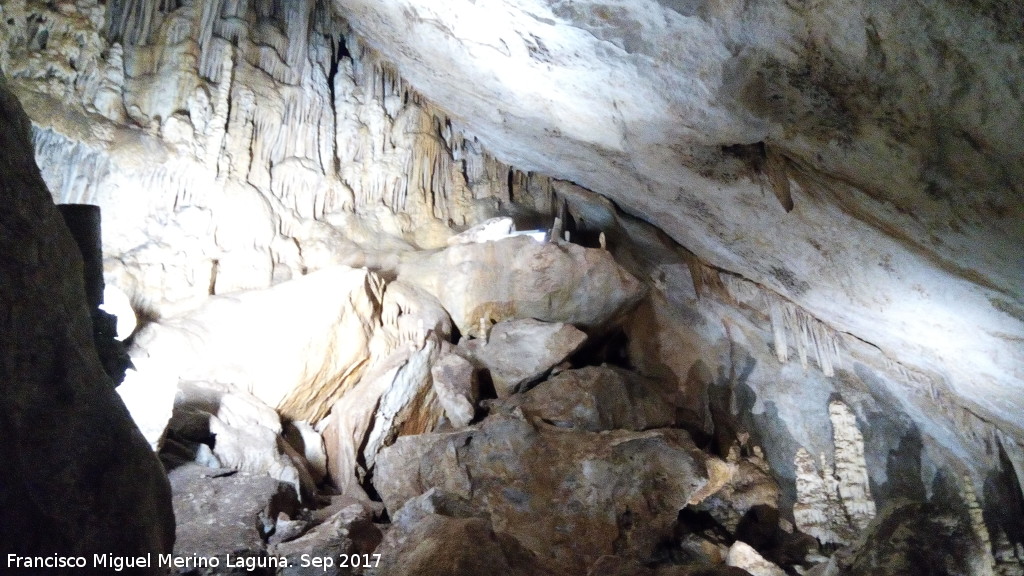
<point x="853" y="157"/>
<point x="229" y="143"/>
<point x="820" y="217"/>
<point x="77" y="478"/>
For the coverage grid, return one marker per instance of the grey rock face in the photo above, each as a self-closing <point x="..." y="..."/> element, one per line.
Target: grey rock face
<point x="518" y="352"/>
<point x="78" y="477"/>
<point x="597" y="398"/>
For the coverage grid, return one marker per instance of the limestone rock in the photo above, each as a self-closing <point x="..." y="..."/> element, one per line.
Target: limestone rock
<point x="349" y="531"/>
<point x="518" y="352"/>
<point x="308" y="442"/>
<point x="750" y="485"/>
<point x="78" y="477"/>
<point x="220" y="512"/>
<point x="296" y="346"/>
<point x="519" y="278"/>
<point x="245" y="434"/>
<point x="456" y="386"/>
<point x="835" y="505"/>
<point x="741" y="555"/>
<point x="444" y="546"/>
<point x="394" y="398"/>
<point x="596" y="398"/>
<point x="569" y="496"/>
<point x="486" y="231"/>
<point x="753" y="148"/>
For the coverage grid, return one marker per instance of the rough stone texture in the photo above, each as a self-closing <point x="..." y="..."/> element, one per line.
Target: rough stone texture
<point x="222" y="512"/>
<point x="78" y="477"/>
<point x="456" y="386"/>
<point x="568" y="496"/>
<point x="444" y="546"/>
<point x="517" y="353"/>
<point x="597" y="398"/>
<point x="517" y="278"/>
<point x="750" y="485"/>
<point x="349" y="531"/>
<point x="741" y="555"/>
<point x="393" y="398"/>
<point x="756" y="135"/>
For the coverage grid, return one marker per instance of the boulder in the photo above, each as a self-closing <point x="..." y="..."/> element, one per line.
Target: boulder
<point x="444" y="546"/>
<point x="78" y="478"/>
<point x="519" y="352"/>
<point x="296" y="346"/>
<point x="518" y="277"/>
<point x="350" y="531"/>
<point x="570" y="496"/>
<point x="742" y="555"/>
<point x="596" y="398"/>
<point x="456" y="386"/>
<point x="221" y="512"/>
<point x="395" y="397"/>
<point x="245" y="434"/>
<point x="486" y="231"/>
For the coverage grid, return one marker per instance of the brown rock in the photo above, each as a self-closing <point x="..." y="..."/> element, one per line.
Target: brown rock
<point x="597" y="398"/>
<point x="518" y="352"/>
<point x="569" y="496"/>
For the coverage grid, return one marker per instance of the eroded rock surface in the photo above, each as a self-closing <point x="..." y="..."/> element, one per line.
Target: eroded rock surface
<point x="517" y="278"/>
<point x="517" y="353"/>
<point x="569" y="496"/>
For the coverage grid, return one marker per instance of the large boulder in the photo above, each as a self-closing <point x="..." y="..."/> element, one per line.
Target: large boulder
<point x="78" y="478"/>
<point x="297" y="346"/>
<point x="569" y="496"/>
<point x="519" y="277"/>
<point x="395" y="397"/>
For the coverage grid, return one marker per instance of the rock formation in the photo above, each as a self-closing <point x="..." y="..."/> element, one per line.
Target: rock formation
<point x="78" y="478"/>
<point x="642" y="287"/>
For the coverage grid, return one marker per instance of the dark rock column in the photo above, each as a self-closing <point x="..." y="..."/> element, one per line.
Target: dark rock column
<point x="76" y="476"/>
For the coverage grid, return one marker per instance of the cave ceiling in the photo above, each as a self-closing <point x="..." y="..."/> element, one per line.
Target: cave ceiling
<point x="859" y="158"/>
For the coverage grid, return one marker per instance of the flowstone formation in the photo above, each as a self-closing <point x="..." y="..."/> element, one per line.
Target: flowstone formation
<point x="741" y="328"/>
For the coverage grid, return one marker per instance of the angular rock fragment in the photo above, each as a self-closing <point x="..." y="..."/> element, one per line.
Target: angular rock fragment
<point x="394" y="398"/>
<point x="518" y="352"/>
<point x="456" y="386"/>
<point x="596" y="398"/>
<point x="350" y="531"/>
<point x="221" y="512"/>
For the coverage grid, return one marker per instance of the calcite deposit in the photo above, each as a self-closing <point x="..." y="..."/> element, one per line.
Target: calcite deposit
<point x="581" y="287"/>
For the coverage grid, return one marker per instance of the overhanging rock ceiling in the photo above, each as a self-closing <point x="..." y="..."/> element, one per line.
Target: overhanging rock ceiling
<point x="860" y="158"/>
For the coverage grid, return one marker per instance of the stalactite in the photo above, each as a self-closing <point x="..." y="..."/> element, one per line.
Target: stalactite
<point x="792" y="324"/>
<point x="83" y="167"/>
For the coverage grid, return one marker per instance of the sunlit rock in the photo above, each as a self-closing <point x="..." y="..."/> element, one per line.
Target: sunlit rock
<point x="456" y="386"/>
<point x="393" y="398"/>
